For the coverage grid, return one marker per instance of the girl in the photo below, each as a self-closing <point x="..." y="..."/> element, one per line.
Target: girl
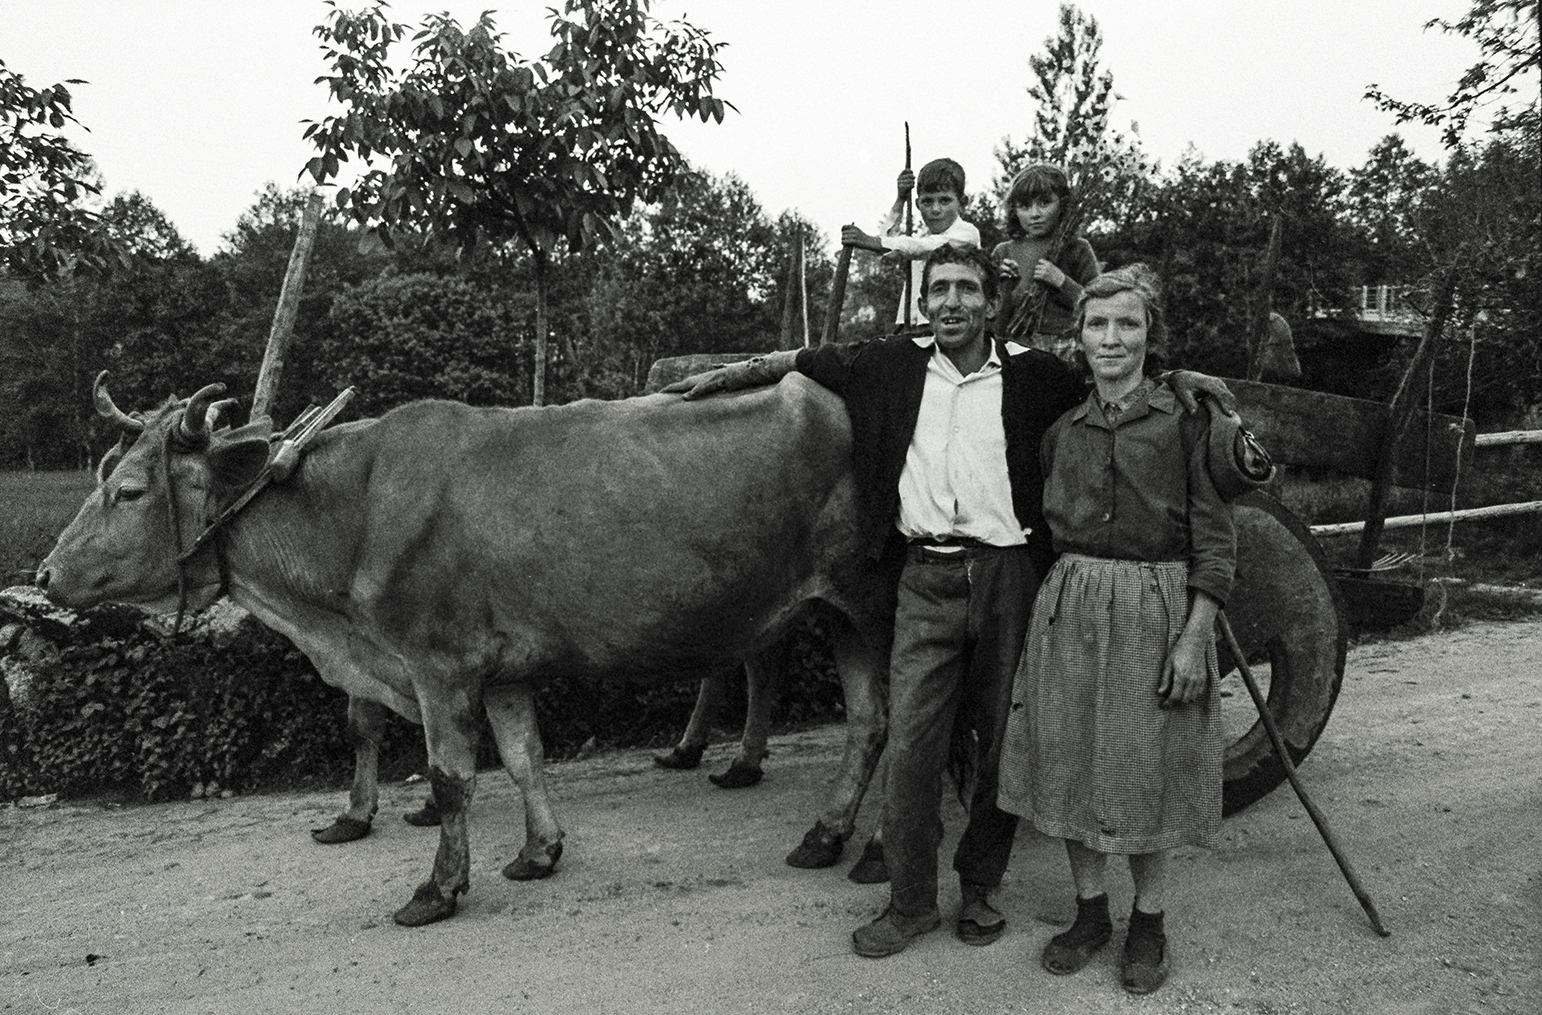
<point x="1113" y="742"/>
<point x="1039" y="197"/>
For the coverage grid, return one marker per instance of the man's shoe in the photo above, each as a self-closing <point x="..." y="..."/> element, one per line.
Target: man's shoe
<point x="1144" y="968"/>
<point x="979" y="923"/>
<point x="1069" y="951"/>
<point x="891" y="933"/>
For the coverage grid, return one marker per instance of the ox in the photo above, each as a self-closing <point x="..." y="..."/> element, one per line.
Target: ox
<point x="444" y="559"/>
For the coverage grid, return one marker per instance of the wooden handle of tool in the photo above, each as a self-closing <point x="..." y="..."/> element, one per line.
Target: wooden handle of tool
<point x="1278" y="741"/>
<point x="837" y="296"/>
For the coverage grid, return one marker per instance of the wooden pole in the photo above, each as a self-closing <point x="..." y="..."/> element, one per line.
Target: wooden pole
<point x="791" y="291"/>
<point x="1259" y="333"/>
<point x="281" y="336"/>
<point x="1399" y="412"/>
<point x="803" y="288"/>
<point x="1409" y="521"/>
<point x="1290" y="773"/>
<point x="909" y="269"/>
<point x="837" y="297"/>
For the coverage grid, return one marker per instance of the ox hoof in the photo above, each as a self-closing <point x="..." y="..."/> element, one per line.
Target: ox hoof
<point x="820" y="848"/>
<point x="738" y="776"/>
<point x="870" y="869"/>
<point x="426" y="816"/>
<point x="344" y="829"/>
<point x="681" y="759"/>
<point x="525" y="868"/>
<point x="428" y="905"/>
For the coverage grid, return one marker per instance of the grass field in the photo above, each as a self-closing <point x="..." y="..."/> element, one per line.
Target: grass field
<point x="34" y="506"/>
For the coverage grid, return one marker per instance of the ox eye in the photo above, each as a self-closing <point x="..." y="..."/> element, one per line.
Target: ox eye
<point x="128" y="493"/>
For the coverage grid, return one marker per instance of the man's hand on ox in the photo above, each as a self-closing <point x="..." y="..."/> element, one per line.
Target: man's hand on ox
<point x="1187" y="383"/>
<point x="752" y="373"/>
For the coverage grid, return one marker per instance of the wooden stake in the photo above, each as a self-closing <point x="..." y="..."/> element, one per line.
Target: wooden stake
<point x="837" y="296"/>
<point x="282" y="333"/>
<point x="1290" y="773"/>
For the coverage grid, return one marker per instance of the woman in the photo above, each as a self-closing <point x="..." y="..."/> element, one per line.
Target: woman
<point x="1113" y="742"/>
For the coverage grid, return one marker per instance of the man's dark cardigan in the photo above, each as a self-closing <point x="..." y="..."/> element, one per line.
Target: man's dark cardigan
<point x="882" y="382"/>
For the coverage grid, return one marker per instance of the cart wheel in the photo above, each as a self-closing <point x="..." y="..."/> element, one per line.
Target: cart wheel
<point x="1288" y="617"/>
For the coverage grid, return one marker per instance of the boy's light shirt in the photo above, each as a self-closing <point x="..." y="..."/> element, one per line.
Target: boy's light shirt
<point x="915" y="248"/>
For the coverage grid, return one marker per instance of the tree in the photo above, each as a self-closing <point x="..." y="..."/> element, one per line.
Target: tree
<point x="482" y="146"/>
<point x="706" y="272"/>
<point x="44" y="226"/>
<point x="1506" y="32"/>
<point x="1479" y="225"/>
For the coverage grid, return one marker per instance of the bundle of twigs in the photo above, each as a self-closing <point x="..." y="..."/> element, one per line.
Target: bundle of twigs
<point x="1102" y="173"/>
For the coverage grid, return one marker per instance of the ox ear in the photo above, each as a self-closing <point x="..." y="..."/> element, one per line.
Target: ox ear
<point x="237" y="463"/>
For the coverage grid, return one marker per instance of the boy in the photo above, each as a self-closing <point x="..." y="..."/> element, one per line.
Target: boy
<point x="941" y="197"/>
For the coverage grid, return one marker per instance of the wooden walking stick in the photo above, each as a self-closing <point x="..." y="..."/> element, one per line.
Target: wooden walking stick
<point x="909" y="272"/>
<point x="1290" y="773"/>
<point x="837" y="296"/>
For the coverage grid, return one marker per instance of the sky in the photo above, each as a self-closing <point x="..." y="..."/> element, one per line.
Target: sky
<point x="198" y="104"/>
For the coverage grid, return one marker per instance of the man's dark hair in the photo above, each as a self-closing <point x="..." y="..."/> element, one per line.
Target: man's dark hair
<point x="941" y="174"/>
<point x="949" y="253"/>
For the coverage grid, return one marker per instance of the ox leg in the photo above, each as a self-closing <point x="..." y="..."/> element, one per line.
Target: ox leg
<point x="450" y="729"/>
<point x="863" y="671"/>
<point x="686" y="755"/>
<point x="511" y="711"/>
<point x="366" y="725"/>
<point x="762" y="675"/>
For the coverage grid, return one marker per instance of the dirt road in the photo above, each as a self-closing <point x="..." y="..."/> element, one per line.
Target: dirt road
<point x="673" y="896"/>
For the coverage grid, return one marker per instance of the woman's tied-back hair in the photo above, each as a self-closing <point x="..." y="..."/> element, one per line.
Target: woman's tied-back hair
<point x="1038" y="181"/>
<point x="941" y="174"/>
<point x="1139" y="279"/>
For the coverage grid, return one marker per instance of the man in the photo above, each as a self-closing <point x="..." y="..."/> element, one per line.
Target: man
<point x="945" y="452"/>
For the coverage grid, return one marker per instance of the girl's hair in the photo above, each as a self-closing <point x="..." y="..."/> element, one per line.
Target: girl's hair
<point x="1038" y="181"/>
<point x="1142" y="281"/>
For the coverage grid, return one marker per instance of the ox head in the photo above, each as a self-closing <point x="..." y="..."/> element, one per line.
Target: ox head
<point x="157" y="489"/>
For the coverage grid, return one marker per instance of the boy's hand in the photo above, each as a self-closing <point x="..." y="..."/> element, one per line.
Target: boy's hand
<point x="852" y="236"/>
<point x="905" y="184"/>
<point x="1047" y="273"/>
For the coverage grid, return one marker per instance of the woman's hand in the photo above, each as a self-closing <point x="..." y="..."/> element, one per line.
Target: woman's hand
<point x="1009" y="273"/>
<point x="1047" y="273"/>
<point x="1184" y="676"/>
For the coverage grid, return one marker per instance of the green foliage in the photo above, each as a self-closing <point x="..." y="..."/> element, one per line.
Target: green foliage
<point x="45" y="228"/>
<point x="405" y="337"/>
<point x="1506" y="32"/>
<point x="485" y="147"/>
<point x="155" y="717"/>
<point x="704" y="272"/>
<point x="152" y="717"/>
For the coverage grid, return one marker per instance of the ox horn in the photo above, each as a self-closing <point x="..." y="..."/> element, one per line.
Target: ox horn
<point x="219" y="409"/>
<point x="107" y="409"/>
<point x="195" y="418"/>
